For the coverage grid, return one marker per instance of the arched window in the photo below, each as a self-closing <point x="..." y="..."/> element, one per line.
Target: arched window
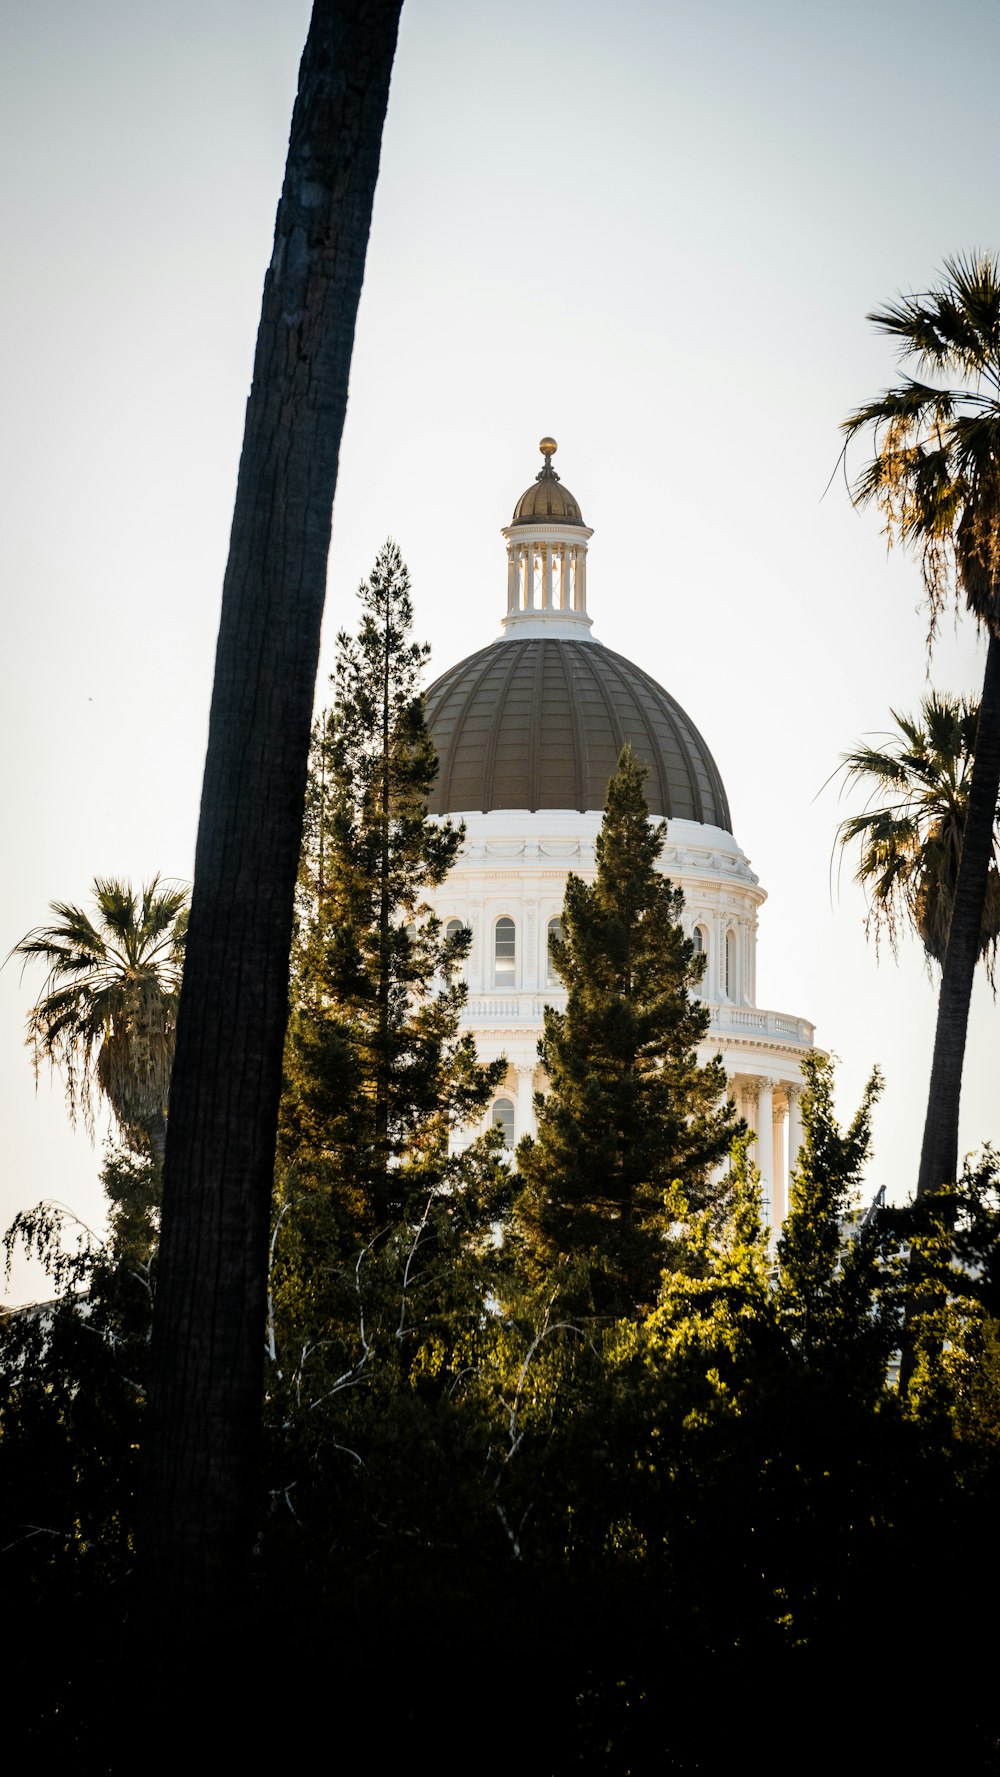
<point x="504" y="954"/>
<point x="456" y="928"/>
<point x="503" y="1118"/>
<point x="554" y="930"/>
<point x="730" y="964"/>
<point x="699" y="938"/>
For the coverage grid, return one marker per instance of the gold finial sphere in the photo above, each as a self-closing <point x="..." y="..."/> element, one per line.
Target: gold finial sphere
<point x="548" y="447"/>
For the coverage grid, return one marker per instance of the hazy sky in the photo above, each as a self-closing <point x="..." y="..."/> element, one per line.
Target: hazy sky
<point x="651" y="228"/>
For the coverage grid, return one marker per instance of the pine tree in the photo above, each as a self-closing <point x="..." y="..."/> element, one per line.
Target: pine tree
<point x="836" y="1284"/>
<point x="378" y="1076"/>
<point x="633" y="1127"/>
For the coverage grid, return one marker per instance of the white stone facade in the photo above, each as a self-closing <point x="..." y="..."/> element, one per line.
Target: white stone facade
<point x="513" y="866"/>
<point x="509" y="882"/>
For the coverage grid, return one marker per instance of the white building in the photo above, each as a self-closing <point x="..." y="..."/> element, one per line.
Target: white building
<point x="528" y="732"/>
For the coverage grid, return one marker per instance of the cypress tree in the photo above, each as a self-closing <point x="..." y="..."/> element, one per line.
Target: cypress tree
<point x="633" y="1127"/>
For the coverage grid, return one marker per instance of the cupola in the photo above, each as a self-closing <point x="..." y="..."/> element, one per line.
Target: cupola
<point x="547" y="559"/>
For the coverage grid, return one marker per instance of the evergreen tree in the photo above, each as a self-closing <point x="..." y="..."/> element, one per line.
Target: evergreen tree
<point x="838" y="1276"/>
<point x="377" y="1075"/>
<point x="370" y="1198"/>
<point x="632" y="1126"/>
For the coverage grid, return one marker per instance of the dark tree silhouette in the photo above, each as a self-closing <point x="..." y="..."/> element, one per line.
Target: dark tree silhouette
<point x="208" y="1331"/>
<point x="935" y="477"/>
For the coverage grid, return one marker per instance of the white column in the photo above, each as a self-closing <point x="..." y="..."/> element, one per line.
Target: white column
<point x="525" y="1111"/>
<point x="529" y="576"/>
<point x="529" y="961"/>
<point x="756" y="1105"/>
<point x="546" y="576"/>
<point x="779" y="1171"/>
<point x="765" y="1151"/>
<point x="475" y="962"/>
<point x="794" y="1094"/>
<point x="746" y="946"/>
<point x="512" y="577"/>
<point x="748" y="1100"/>
<point x="581" y="578"/>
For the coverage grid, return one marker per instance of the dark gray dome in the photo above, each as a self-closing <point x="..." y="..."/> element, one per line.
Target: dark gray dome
<point x="535" y="723"/>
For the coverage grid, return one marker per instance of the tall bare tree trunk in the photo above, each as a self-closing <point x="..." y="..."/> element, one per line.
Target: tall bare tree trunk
<point x="939" y="1153"/>
<point x="208" y="1338"/>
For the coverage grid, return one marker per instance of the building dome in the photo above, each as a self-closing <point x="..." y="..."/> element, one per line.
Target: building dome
<point x="528" y="733"/>
<point x="538" y="723"/>
<point x="546" y="501"/>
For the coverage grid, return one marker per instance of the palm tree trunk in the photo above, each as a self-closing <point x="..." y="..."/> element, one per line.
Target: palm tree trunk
<point x="208" y="1339"/>
<point x="939" y="1153"/>
<point x="156" y="1134"/>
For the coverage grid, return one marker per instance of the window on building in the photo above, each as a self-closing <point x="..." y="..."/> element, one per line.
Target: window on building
<point x="699" y="938"/>
<point x="453" y="927"/>
<point x="504" y="953"/>
<point x="554" y="930"/>
<point x="503" y="1118"/>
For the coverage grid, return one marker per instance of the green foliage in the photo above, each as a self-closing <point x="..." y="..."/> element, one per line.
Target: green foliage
<point x="378" y="1076"/>
<point x="632" y="1126"/>
<point x="953" y="1307"/>
<point x="912" y="826"/>
<point x="108" y="1012"/>
<point x="935" y="475"/>
<point x="635" y="1438"/>
<point x="385" y="1251"/>
<point x="836" y="1287"/>
<point x="72" y="1387"/>
<point x="719" y="1311"/>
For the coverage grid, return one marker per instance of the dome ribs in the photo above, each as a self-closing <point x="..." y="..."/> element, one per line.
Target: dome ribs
<point x="658" y="765"/>
<point x="682" y="799"/>
<point x="536" y="723"/>
<point x="569" y="663"/>
<point x="594" y="773"/>
<point x="534" y="732"/>
<point x="449" y="748"/>
<point x="496" y="732"/>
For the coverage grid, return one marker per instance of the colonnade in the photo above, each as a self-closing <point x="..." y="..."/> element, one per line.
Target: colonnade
<point x="771" y="1108"/>
<point x="565" y="591"/>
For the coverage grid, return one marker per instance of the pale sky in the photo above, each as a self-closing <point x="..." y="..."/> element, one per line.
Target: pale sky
<point x="653" y="229"/>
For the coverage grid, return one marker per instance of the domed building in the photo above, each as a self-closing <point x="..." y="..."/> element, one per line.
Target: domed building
<point x="528" y="732"/>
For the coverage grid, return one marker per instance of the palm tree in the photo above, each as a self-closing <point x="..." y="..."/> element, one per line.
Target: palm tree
<point x="935" y="476"/>
<point x="108" y="1011"/>
<point x="207" y="1360"/>
<point x="913" y="824"/>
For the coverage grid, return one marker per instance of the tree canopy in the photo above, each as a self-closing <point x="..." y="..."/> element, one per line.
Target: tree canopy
<point x="912" y="826"/>
<point x="632" y="1128"/>
<point x="935" y="478"/>
<point x="108" y="1011"/>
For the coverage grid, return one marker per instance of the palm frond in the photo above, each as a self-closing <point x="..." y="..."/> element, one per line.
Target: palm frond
<point x="909" y="833"/>
<point x="935" y="469"/>
<point x="107" y="1012"/>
